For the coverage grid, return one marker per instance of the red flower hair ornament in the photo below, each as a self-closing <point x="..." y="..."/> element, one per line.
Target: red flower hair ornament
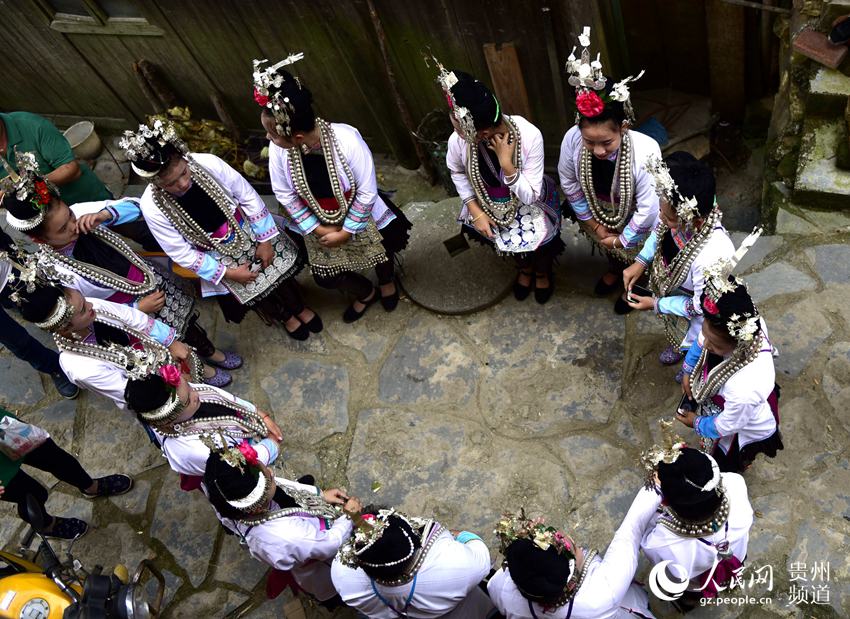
<point x="249" y="452"/>
<point x="260" y="98"/>
<point x="710" y="306"/>
<point x="589" y="104"/>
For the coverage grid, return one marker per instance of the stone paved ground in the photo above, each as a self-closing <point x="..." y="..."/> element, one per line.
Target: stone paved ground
<point x="464" y="416"/>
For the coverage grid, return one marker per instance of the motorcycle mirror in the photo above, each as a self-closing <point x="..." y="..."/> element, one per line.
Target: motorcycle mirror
<point x="35" y="513"/>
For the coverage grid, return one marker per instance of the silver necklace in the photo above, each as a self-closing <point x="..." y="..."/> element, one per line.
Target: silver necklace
<point x="743" y="355"/>
<point x="623" y="176"/>
<point x="245" y="424"/>
<point x="190" y="229"/>
<point x="501" y="213"/>
<point x="672" y="521"/>
<point x="331" y="150"/>
<point x="102" y="276"/>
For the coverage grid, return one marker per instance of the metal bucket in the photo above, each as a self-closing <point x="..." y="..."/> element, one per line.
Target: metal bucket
<point x="84" y="140"/>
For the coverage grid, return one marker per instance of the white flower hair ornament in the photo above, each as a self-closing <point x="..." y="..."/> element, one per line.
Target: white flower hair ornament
<point x="148" y="141"/>
<point x="743" y="328"/>
<point x="666" y="189"/>
<point x="267" y="82"/>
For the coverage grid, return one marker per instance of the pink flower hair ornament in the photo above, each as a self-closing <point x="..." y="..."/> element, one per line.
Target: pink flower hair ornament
<point x="170" y="374"/>
<point x="589" y="104"/>
<point x="250" y="454"/>
<point x="710" y="306"/>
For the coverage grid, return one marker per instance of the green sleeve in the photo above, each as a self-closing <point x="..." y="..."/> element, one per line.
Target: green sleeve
<point x="52" y="145"/>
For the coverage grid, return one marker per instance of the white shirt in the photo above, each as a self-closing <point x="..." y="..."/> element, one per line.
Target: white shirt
<point x="176" y="245"/>
<point x="297" y="544"/>
<point x="645" y="216"/>
<point x="360" y="162"/>
<point x="660" y="543"/>
<point x="745" y="410"/>
<point x="98" y="375"/>
<point x="447" y="578"/>
<point x="607" y="591"/>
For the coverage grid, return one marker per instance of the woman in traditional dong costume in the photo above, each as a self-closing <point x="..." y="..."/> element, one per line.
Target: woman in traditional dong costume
<point x="179" y="412"/>
<point x="102" y="344"/>
<point x="294" y="527"/>
<point x="96" y="262"/>
<point x="546" y="575"/>
<point x="396" y="565"/>
<point x="496" y="163"/>
<point x="603" y="169"/>
<point x="324" y="176"/>
<point x="689" y="237"/>
<point x="210" y="220"/>
<point x="703" y="525"/>
<point x="730" y="373"/>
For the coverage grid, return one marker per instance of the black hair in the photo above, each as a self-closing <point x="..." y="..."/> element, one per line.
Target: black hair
<point x="394" y="544"/>
<point x="693" y="178"/>
<point x="225" y="482"/>
<point x="686" y="499"/>
<point x="736" y="301"/>
<point x="613" y="111"/>
<point x="25" y="209"/>
<point x="472" y="94"/>
<point x="160" y="158"/>
<point x="146" y="394"/>
<point x="540" y="575"/>
<point x="39" y="304"/>
<point x="298" y="99"/>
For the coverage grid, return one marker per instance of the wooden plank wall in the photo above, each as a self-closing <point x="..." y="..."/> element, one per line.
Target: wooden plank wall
<point x="208" y="46"/>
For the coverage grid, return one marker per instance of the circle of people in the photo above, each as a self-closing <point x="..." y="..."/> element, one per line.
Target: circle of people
<point x="126" y="328"/>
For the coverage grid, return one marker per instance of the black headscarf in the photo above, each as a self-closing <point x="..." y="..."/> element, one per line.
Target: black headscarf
<point x="737" y="301"/>
<point x="226" y="483"/>
<point x="38" y="305"/>
<point x="693" y="178"/>
<point x="687" y="500"/>
<point x="468" y="92"/>
<point x="540" y="575"/>
<point x="298" y="100"/>
<point x="393" y="545"/>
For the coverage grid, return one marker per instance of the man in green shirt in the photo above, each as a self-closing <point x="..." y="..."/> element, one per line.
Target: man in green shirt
<point x="32" y="133"/>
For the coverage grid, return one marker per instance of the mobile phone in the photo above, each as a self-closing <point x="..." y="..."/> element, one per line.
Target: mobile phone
<point x="686" y="405"/>
<point x="640" y="291"/>
<point x="256" y="266"/>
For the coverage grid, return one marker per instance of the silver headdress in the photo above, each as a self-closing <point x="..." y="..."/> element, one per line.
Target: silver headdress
<point x="148" y="141"/>
<point x="719" y="278"/>
<point x="266" y="83"/>
<point x="665" y="188"/>
<point x="465" y="122"/>
<point x="235" y="457"/>
<point x="586" y="76"/>
<point x="367" y="531"/>
<point x="27" y="186"/>
<point x="668" y="452"/>
<point x="166" y="413"/>
<point x="37" y="269"/>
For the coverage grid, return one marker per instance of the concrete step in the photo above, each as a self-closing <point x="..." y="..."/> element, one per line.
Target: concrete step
<point x="828" y="93"/>
<point x="820" y="184"/>
<point x="795" y="219"/>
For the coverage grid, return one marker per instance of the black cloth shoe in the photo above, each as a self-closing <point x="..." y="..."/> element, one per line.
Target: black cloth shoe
<point x="352" y="315"/>
<point x="111" y="485"/>
<point x="391" y="302"/>
<point x="315" y="324"/>
<point x="541" y="295"/>
<point x="300" y="334"/>
<point x="307" y="480"/>
<point x="603" y="290"/>
<point x="621" y="307"/>
<point x="67" y="528"/>
<point x="65" y="387"/>
<point x="521" y="292"/>
<point x="840" y="33"/>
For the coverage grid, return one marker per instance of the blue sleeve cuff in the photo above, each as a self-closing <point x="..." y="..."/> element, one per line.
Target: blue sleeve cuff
<point x="161" y="332"/>
<point x="647" y="252"/>
<point x="209" y="269"/>
<point x="692" y="357"/>
<point x="582" y="209"/>
<point x="465" y="536"/>
<point x="676" y="305"/>
<point x="705" y="426"/>
<point x="123" y="212"/>
<point x="271" y="447"/>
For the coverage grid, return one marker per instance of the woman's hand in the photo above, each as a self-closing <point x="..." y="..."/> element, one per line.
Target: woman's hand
<point x="241" y="274"/>
<point x="152" y="303"/>
<point x="640" y="303"/>
<point x="686" y="385"/>
<point x="687" y="418"/>
<point x="323" y="229"/>
<point x="504" y="150"/>
<point x="87" y="223"/>
<point x="335" y="239"/>
<point x="264" y="253"/>
<point x="335" y="496"/>
<point x="352" y="506"/>
<point x="632" y="274"/>
<point x="179" y="351"/>
<point x="272" y="428"/>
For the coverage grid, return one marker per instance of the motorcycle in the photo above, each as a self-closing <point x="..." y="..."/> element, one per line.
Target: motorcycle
<point x="44" y="587"/>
